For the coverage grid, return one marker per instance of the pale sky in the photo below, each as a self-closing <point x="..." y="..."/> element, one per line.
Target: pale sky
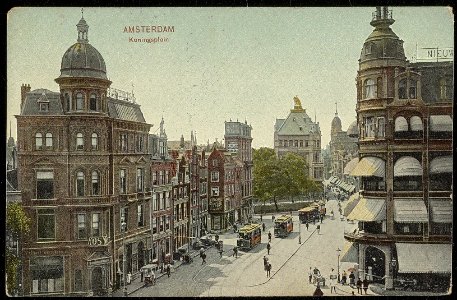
<point x="219" y="63"/>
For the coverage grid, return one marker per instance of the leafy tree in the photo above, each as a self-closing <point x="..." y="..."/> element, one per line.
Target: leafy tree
<point x="17" y="225"/>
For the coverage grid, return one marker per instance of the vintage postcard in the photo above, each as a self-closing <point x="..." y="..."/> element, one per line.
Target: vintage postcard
<point x="236" y="151"/>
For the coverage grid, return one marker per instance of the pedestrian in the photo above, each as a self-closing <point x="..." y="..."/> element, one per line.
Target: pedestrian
<point x="202" y="250"/>
<point x="269" y="236"/>
<point x="168" y="270"/>
<point x="234" y="228"/>
<point x="268" y="269"/>
<point x="351" y="279"/>
<point x="318" y="229"/>
<point x="359" y="286"/>
<point x="220" y="252"/>
<point x="142" y="275"/>
<point x="129" y="278"/>
<point x="263" y="227"/>
<point x="322" y="218"/>
<point x="307" y="225"/>
<point x="260" y="217"/>
<point x="310" y="274"/>
<point x="318" y="292"/>
<point x="272" y="218"/>
<point x="365" y="285"/>
<point x="265" y="262"/>
<point x="343" y="278"/>
<point x="203" y="258"/>
<point x="332" y="281"/>
<point x="314" y="220"/>
<point x="268" y="248"/>
<point x="216" y="237"/>
<point x="235" y="251"/>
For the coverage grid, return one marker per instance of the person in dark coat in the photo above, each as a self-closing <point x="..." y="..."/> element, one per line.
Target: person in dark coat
<point x="269" y="236"/>
<point x="168" y="270"/>
<point x="263" y="226"/>
<point x="307" y="225"/>
<point x="351" y="279"/>
<point x="359" y="286"/>
<point x="268" y="248"/>
<point x="268" y="269"/>
<point x="265" y="263"/>
<point x="203" y="258"/>
<point x="365" y="285"/>
<point x="318" y="292"/>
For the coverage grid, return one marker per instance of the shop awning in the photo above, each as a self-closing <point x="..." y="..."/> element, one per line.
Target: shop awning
<point x="440" y="123"/>
<point x="351" y="188"/>
<point x="368" y="210"/>
<point x="333" y="179"/>
<point x="416" y="123"/>
<point x="369" y="166"/>
<point x="350" y="204"/>
<point x="407" y="166"/>
<point x="350" y="166"/>
<point x="424" y="258"/>
<point x="441" y="164"/>
<point x="350" y="253"/>
<point x="441" y="210"/>
<point x="401" y="124"/>
<point x="410" y="211"/>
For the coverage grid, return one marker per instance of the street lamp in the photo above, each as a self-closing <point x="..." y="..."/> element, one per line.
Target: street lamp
<point x="394" y="264"/>
<point x="338" y="250"/>
<point x="123" y="227"/>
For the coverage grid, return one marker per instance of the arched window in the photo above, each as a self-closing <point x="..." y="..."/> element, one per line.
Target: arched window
<point x="94" y="141"/>
<point x="369" y="89"/>
<point x="49" y="140"/>
<point x="79" y="141"/>
<point x="93" y="102"/>
<point x="38" y="141"/>
<point x="95" y="183"/>
<point x="67" y="102"/>
<point x="80" y="184"/>
<point x="412" y="89"/>
<point x="79" y="101"/>
<point x="402" y="89"/>
<point x="401" y="124"/>
<point x="416" y="123"/>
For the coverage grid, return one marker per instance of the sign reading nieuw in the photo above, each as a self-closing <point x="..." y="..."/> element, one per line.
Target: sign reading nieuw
<point x="435" y="54"/>
<point x="98" y="241"/>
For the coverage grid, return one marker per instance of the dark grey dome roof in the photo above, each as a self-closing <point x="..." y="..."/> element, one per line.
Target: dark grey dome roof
<point x="83" y="60"/>
<point x="353" y="131"/>
<point x="336" y="123"/>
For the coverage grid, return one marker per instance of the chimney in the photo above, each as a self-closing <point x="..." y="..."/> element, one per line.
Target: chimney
<point x="25" y="88"/>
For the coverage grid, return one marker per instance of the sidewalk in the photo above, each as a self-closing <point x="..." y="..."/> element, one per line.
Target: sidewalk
<point x="136" y="284"/>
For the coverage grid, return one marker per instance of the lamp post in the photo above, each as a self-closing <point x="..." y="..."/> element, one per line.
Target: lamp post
<point x="393" y="262"/>
<point x="299" y="230"/>
<point x="338" y="250"/>
<point x="124" y="260"/>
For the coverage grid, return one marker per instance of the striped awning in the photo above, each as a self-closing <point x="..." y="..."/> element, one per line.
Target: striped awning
<point x="441" y="164"/>
<point x="416" y="123"/>
<point x="333" y="179"/>
<point x="370" y="166"/>
<point x="407" y="166"/>
<point x="350" y="166"/>
<point x="351" y="188"/>
<point x="410" y="211"/>
<point x="350" y="253"/>
<point x="368" y="210"/>
<point x="424" y="258"/>
<point x="440" y="123"/>
<point x="401" y="124"/>
<point x="441" y="210"/>
<point x="349" y="205"/>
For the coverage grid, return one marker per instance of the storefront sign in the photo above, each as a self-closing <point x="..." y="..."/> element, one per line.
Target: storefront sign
<point x="98" y="241"/>
<point x="437" y="54"/>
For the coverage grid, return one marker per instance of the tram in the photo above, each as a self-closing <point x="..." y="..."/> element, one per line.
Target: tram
<point x="308" y="214"/>
<point x="249" y="236"/>
<point x="283" y="226"/>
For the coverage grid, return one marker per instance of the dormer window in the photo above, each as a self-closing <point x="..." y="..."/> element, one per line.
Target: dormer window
<point x="44" y="106"/>
<point x="402" y="89"/>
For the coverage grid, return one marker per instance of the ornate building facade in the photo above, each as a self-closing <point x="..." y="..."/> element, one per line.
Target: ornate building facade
<point x="299" y="134"/>
<point x="404" y="120"/>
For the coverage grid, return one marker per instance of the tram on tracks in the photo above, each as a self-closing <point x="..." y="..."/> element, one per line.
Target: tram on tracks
<point x="308" y="214"/>
<point x="249" y="236"/>
<point x="283" y="226"/>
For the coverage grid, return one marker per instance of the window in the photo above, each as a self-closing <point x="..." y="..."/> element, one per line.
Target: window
<point x="124" y="218"/>
<point x="123" y="181"/>
<point x="214" y="176"/>
<point x="140" y="215"/>
<point x="402" y="89"/>
<point x="93" y="102"/>
<point x="46" y="224"/>
<point x="381" y="127"/>
<point x="445" y="89"/>
<point x="155" y="204"/>
<point x="139" y="143"/>
<point x="286" y="144"/>
<point x="412" y="89"/>
<point x="215" y="191"/>
<point x="123" y="141"/>
<point x="45" y="184"/>
<point x="82" y="231"/>
<point x="369" y="89"/>
<point x="162" y="224"/>
<point x="368" y="48"/>
<point x="280" y="143"/>
<point x="94" y="141"/>
<point x="214" y="162"/>
<point x="301" y="144"/>
<point x="80" y="184"/>
<point x="379" y="87"/>
<point x="67" y="102"/>
<point x="96" y="224"/>
<point x="79" y="141"/>
<point x="139" y="180"/>
<point x="47" y="274"/>
<point x="38" y="141"/>
<point x="162" y="177"/>
<point x="48" y="140"/>
<point x="44" y="106"/>
<point x="369" y="127"/>
<point x="167" y="224"/>
<point x="78" y="281"/>
<point x="154" y="227"/>
<point x="296" y="143"/>
<point x="79" y="101"/>
<point x="95" y="183"/>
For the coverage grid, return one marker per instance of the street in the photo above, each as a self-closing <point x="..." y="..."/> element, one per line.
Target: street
<point x="245" y="276"/>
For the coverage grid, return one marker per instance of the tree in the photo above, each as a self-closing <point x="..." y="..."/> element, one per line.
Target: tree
<point x="17" y="225"/>
<point x="295" y="171"/>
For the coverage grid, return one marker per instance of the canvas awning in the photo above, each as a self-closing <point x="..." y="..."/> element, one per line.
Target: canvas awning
<point x="440" y="123"/>
<point x="424" y="258"/>
<point x="350" y="204"/>
<point x="350" y="253"/>
<point x="441" y="210"/>
<point x="351" y="188"/>
<point x="407" y="166"/>
<point x="370" y="166"/>
<point x="401" y="124"/>
<point x="333" y="179"/>
<point x="410" y="211"/>
<point x="369" y="210"/>
<point x="416" y="123"/>
<point x="350" y="166"/>
<point x="441" y="164"/>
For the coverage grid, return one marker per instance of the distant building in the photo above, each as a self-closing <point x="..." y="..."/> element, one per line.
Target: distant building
<point x="299" y="134"/>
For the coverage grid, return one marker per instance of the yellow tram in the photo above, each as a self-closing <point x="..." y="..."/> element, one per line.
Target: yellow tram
<point x="249" y="236"/>
<point x="283" y="226"/>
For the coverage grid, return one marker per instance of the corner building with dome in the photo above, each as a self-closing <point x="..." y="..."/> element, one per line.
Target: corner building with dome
<point x="82" y="161"/>
<point x="404" y="209"/>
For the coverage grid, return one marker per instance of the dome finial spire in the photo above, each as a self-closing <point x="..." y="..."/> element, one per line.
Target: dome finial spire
<point x="336" y="106"/>
<point x="83" y="29"/>
<point x="82" y="12"/>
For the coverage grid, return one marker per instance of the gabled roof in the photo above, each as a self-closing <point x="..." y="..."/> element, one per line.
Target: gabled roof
<point x="125" y="110"/>
<point x="296" y="123"/>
